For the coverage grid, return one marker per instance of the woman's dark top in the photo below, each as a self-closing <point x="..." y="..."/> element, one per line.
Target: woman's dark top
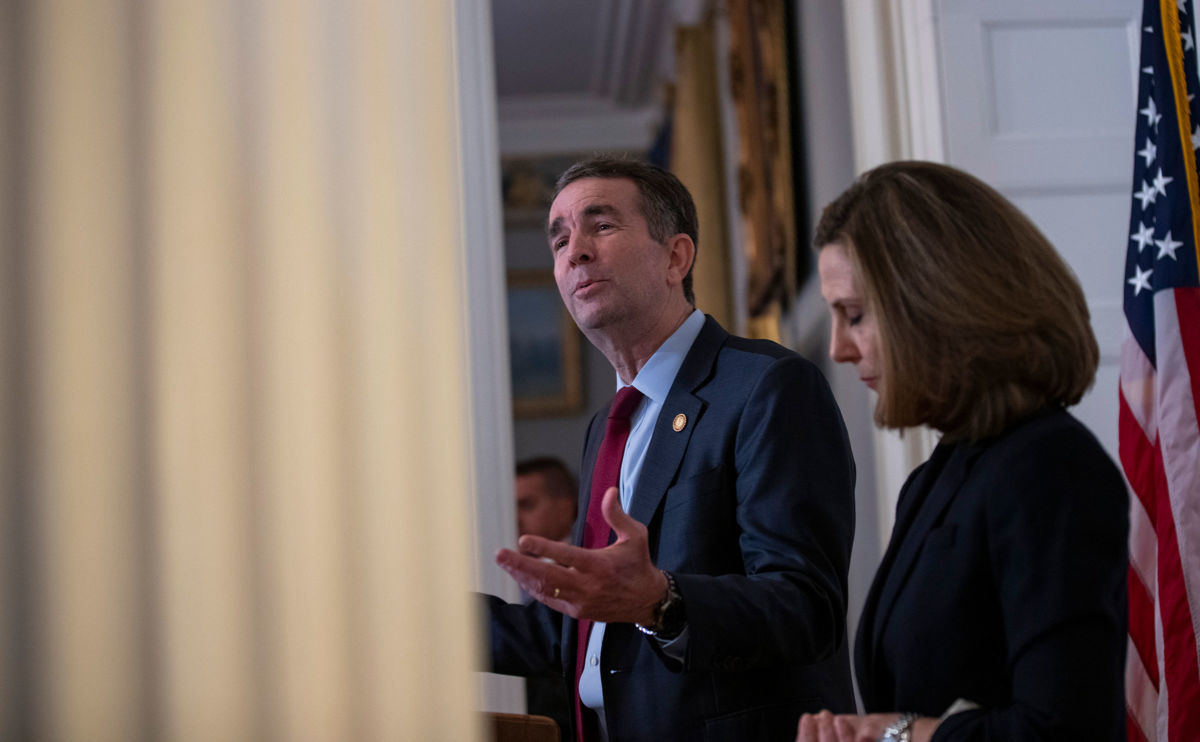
<point x="1004" y="584"/>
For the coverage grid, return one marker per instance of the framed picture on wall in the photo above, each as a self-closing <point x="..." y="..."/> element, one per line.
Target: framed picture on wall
<point x="544" y="348"/>
<point x="527" y="186"/>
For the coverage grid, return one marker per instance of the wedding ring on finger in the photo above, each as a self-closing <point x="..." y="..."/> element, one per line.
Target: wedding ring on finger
<point x="556" y="592"/>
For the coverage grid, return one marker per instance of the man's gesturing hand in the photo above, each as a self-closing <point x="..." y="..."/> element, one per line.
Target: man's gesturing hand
<point x="615" y="584"/>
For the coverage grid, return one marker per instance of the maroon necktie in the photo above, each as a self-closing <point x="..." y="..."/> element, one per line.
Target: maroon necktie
<point x="596" y="531"/>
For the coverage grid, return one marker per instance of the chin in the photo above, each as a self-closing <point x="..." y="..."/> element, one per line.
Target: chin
<point x="593" y="320"/>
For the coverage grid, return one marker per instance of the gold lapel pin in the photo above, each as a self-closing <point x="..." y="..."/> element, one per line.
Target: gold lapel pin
<point x="679" y="423"/>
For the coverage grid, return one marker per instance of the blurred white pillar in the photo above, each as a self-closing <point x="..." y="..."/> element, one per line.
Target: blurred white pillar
<point x="894" y="97"/>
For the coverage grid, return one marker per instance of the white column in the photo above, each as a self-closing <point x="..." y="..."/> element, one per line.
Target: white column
<point x="896" y="114"/>
<point x="491" y="392"/>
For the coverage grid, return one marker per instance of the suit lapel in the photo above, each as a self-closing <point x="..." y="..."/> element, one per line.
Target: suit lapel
<point x="591" y="449"/>
<point x="667" y="445"/>
<point x="662" y="457"/>
<point x="664" y="454"/>
<point x="918" y="482"/>
<point x="914" y="520"/>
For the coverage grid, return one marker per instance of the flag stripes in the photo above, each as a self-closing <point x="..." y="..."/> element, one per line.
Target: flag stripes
<point x="1159" y="419"/>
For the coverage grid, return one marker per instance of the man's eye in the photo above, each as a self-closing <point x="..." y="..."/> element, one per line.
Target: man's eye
<point x="854" y="320"/>
<point x="558" y="244"/>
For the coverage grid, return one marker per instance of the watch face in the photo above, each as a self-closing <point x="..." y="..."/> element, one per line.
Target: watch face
<point x="670" y="618"/>
<point x="673" y="617"/>
<point x="672" y="622"/>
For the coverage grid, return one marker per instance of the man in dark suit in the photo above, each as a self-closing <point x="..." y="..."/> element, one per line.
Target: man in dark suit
<point x="547" y="503"/>
<point x="715" y="609"/>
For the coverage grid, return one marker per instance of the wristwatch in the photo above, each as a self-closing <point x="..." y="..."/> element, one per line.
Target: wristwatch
<point x="669" y="615"/>
<point x="900" y="730"/>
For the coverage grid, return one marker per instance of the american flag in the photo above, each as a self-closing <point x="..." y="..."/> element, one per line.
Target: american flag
<point x="1160" y="378"/>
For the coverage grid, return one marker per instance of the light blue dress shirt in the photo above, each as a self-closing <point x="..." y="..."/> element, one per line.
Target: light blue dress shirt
<point x="654" y="381"/>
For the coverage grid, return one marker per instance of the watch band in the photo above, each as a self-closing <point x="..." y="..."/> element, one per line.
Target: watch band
<point x="899" y="730"/>
<point x="668" y="611"/>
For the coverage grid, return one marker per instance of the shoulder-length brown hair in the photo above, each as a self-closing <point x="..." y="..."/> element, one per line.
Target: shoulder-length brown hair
<point x="981" y="322"/>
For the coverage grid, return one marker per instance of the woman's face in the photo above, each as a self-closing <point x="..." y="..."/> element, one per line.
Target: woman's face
<point x="854" y="335"/>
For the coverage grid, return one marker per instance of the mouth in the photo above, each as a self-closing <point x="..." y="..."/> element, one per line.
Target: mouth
<point x="583" y="286"/>
<point x="870" y="381"/>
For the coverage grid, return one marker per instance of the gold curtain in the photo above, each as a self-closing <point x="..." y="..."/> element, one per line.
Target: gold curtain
<point x="759" y="80"/>
<point x="696" y="158"/>
<point x="232" y="508"/>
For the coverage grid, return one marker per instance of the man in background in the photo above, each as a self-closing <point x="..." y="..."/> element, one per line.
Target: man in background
<point x="547" y="503"/>
<point x="547" y="498"/>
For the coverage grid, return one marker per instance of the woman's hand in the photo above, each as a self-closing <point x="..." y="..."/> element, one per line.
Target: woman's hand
<point x="825" y="727"/>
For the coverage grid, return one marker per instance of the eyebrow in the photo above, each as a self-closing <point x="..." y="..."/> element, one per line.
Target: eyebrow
<point x="591" y="210"/>
<point x="843" y="300"/>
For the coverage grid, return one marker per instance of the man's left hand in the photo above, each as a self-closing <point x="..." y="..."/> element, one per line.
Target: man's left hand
<point x="617" y="583"/>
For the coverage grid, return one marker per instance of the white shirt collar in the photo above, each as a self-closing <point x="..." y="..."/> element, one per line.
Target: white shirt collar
<point x="657" y="376"/>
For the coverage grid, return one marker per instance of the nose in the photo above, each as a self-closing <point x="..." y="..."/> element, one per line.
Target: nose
<point x="580" y="249"/>
<point x="841" y="348"/>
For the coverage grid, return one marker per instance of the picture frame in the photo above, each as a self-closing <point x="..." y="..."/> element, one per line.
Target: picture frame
<point x="544" y="348"/>
<point x="527" y="186"/>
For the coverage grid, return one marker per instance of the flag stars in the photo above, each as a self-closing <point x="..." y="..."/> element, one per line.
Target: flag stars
<point x="1151" y="113"/>
<point x="1140" y="280"/>
<point x="1188" y="44"/>
<point x="1181" y="5"/>
<point x="1146" y="195"/>
<point x="1144" y="236"/>
<point x="1167" y="247"/>
<point x="1160" y="183"/>
<point x="1150" y="150"/>
<point x="1195" y="139"/>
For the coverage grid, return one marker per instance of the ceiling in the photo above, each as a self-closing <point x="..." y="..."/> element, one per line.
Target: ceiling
<point x="586" y="70"/>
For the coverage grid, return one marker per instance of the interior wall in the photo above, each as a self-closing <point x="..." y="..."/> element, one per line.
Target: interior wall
<point x="558" y="435"/>
<point x="829" y="152"/>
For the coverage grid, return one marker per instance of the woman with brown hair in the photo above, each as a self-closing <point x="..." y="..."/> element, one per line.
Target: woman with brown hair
<point x="999" y="610"/>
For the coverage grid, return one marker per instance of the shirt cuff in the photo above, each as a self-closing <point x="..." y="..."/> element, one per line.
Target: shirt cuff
<point x="675" y="648"/>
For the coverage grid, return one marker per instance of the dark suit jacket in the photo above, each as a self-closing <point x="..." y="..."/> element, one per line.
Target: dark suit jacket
<point x="1004" y="584"/>
<point x="751" y="507"/>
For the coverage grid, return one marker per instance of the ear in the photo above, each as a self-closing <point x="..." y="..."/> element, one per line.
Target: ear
<point x="681" y="254"/>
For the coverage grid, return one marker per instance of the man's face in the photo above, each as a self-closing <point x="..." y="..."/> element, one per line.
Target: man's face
<point x="539" y="512"/>
<point x="608" y="268"/>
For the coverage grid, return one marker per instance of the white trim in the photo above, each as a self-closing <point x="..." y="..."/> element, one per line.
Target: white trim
<point x="574" y="123"/>
<point x="895" y="91"/>
<point x="918" y="40"/>
<point x="896" y="110"/>
<point x="872" y="99"/>
<point x="491" y="404"/>
<point x="559" y="106"/>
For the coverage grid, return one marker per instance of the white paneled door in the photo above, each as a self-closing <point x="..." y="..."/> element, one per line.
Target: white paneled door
<point x="1038" y="99"/>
